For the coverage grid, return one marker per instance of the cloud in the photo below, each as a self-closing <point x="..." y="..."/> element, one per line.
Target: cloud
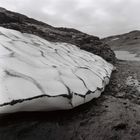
<point x="97" y="17"/>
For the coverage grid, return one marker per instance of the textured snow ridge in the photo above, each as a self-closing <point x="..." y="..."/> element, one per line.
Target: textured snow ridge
<point x="38" y="75"/>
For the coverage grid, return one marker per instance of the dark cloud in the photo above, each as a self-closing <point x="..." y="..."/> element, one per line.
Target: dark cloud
<point x="97" y="17"/>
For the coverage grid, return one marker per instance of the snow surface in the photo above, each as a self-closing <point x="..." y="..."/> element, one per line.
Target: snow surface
<point x="38" y="75"/>
<point x="115" y="39"/>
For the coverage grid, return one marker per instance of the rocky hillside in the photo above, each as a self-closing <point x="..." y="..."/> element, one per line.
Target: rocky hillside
<point x="128" y="41"/>
<point x="25" y="24"/>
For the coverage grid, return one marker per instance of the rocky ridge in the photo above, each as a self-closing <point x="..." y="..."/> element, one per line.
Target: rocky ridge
<point x="25" y="24"/>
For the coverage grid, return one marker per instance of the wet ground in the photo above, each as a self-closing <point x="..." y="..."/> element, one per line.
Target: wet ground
<point x="113" y="116"/>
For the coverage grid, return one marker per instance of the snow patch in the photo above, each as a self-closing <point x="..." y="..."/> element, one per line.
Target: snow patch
<point x="114" y="39"/>
<point x="38" y="75"/>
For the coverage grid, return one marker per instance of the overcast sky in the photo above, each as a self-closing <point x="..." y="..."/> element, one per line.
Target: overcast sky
<point x="96" y="17"/>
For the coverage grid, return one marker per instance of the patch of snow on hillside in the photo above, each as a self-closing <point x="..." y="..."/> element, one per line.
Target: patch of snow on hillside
<point x="114" y="39"/>
<point x="38" y="75"/>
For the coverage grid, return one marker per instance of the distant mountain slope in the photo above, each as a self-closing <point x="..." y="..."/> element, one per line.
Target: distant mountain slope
<point x="25" y="24"/>
<point x="128" y="41"/>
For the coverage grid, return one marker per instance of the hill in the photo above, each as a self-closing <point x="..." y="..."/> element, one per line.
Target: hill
<point x="25" y="24"/>
<point x="128" y="42"/>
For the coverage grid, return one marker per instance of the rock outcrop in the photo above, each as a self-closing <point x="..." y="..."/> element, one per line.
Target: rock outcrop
<point x="86" y="42"/>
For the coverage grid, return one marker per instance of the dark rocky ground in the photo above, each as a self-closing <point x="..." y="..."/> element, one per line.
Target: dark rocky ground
<point x="113" y="116"/>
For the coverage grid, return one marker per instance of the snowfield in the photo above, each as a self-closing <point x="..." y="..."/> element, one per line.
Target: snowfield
<point x="38" y="75"/>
